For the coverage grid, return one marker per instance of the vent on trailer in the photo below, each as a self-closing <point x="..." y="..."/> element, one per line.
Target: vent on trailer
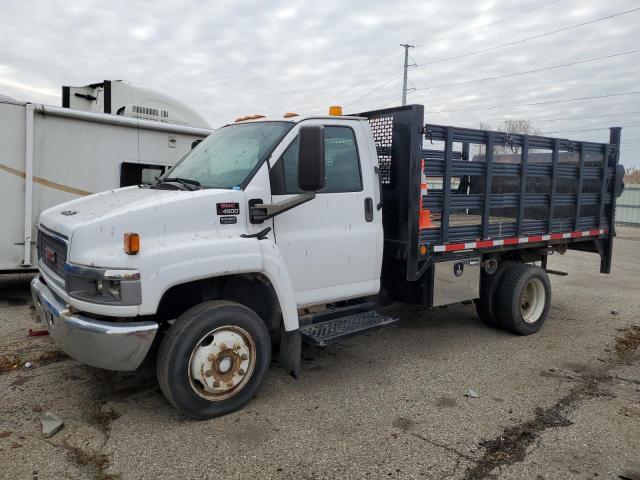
<point x="116" y="97"/>
<point x="147" y="113"/>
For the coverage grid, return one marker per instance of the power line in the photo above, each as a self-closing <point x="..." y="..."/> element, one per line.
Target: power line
<point x="421" y="37"/>
<point x="590" y="129"/>
<point x="490" y="23"/>
<point x="347" y="90"/>
<point x="451" y="25"/>
<point x="448" y="36"/>
<point x="553" y="32"/>
<point x="584" y="117"/>
<point x="526" y="72"/>
<point x="532" y="104"/>
<point x="375" y="89"/>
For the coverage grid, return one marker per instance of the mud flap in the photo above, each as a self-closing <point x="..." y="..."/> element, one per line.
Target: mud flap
<point x="291" y="352"/>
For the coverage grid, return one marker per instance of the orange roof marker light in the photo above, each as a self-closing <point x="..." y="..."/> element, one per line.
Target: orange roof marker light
<point x="335" y="110"/>
<point x="248" y="117"/>
<point x="290" y="114"/>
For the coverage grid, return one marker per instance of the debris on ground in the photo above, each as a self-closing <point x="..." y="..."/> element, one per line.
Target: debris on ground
<point x="614" y="311"/>
<point x="9" y="362"/>
<point x="37" y="333"/>
<point x="28" y="365"/>
<point x="51" y="424"/>
<point x="471" y="393"/>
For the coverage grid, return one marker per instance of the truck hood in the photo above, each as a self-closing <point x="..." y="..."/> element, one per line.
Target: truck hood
<point x="95" y="225"/>
<point x="65" y="217"/>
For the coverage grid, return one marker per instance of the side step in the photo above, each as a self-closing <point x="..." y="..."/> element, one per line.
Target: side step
<point x="324" y="333"/>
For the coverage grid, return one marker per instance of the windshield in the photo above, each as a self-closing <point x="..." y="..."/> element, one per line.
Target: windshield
<point x="226" y="157"/>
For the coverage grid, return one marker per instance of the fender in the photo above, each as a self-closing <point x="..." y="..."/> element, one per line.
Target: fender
<point x="180" y="262"/>
<point x="275" y="270"/>
<point x="232" y="256"/>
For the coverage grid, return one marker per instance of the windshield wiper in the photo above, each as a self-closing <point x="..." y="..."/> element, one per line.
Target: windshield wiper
<point x="187" y="183"/>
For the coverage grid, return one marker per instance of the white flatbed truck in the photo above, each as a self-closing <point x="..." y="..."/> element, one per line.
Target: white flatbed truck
<point x="289" y="229"/>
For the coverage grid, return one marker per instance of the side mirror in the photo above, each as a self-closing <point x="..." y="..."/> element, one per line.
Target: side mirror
<point x="311" y="158"/>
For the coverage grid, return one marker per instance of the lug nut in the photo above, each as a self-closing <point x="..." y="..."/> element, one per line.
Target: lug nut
<point x="243" y="356"/>
<point x="241" y="372"/>
<point x="216" y="384"/>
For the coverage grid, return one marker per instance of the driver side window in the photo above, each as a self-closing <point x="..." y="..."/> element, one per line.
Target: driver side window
<point x="342" y="165"/>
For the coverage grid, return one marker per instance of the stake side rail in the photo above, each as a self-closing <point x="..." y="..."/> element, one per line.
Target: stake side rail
<point x="514" y="191"/>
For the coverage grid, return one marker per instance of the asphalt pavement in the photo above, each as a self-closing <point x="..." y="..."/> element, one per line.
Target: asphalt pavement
<point x="564" y="403"/>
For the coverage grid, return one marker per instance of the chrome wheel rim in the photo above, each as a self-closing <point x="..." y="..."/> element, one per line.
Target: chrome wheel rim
<point x="222" y="363"/>
<point x="532" y="300"/>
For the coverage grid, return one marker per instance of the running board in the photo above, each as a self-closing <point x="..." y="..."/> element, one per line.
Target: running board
<point x="324" y="333"/>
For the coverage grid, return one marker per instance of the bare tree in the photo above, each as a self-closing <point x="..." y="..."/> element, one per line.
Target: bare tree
<point x="511" y="125"/>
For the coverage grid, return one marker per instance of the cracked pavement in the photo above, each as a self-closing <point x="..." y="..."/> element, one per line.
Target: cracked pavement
<point x="564" y="403"/>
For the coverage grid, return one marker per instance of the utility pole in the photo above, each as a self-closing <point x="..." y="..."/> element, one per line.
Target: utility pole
<point x="406" y="68"/>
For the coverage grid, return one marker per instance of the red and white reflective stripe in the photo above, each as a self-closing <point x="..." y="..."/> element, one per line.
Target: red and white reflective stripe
<point x="452" y="247"/>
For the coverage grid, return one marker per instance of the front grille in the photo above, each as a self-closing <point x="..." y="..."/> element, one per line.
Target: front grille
<point x="49" y="246"/>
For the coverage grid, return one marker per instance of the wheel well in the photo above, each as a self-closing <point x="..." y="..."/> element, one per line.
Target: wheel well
<point x="252" y="290"/>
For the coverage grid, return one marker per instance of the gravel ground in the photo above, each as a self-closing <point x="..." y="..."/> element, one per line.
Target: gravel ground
<point x="564" y="403"/>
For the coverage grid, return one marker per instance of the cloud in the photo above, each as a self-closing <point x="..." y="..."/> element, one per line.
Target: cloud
<point x="286" y="13"/>
<point x="228" y="58"/>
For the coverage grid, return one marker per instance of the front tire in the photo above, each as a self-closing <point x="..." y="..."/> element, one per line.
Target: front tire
<point x="213" y="359"/>
<point x="523" y="299"/>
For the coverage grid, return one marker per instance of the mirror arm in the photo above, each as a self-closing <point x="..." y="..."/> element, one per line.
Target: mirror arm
<point x="260" y="212"/>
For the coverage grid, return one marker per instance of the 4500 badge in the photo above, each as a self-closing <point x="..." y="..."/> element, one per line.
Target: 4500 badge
<point x="227" y="209"/>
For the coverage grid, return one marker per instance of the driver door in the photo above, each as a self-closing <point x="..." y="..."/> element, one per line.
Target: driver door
<point x="332" y="244"/>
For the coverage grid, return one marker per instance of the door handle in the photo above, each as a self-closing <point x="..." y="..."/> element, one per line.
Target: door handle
<point x="368" y="209"/>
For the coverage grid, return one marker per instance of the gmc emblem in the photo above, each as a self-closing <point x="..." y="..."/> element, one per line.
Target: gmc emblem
<point x="49" y="254"/>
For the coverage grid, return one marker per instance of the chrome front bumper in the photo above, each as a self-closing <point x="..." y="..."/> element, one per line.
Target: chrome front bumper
<point x="110" y="345"/>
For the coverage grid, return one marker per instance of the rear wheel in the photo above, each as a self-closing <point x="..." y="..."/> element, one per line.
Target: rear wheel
<point x="524" y="298"/>
<point x="213" y="359"/>
<point x="486" y="304"/>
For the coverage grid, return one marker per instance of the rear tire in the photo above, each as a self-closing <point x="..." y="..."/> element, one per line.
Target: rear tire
<point x="523" y="299"/>
<point x="486" y="304"/>
<point x="213" y="359"/>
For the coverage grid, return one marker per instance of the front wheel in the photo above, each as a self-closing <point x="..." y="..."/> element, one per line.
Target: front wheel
<point x="213" y="359"/>
<point x="523" y="299"/>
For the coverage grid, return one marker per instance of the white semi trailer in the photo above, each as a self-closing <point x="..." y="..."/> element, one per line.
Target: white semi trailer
<point x="107" y="135"/>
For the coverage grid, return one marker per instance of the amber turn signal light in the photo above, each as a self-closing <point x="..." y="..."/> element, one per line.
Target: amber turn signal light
<point x="131" y="243"/>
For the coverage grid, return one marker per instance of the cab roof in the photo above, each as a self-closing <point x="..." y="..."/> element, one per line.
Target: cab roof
<point x="294" y="119"/>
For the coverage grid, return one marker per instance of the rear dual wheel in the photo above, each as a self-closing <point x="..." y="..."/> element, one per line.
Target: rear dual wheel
<point x="489" y="283"/>
<point x="523" y="299"/>
<point x="516" y="297"/>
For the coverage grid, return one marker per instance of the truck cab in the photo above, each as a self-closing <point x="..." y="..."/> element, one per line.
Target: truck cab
<point x="271" y="232"/>
<point x="269" y="216"/>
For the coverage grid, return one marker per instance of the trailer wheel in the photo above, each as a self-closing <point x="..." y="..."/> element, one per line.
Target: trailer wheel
<point x="486" y="304"/>
<point x="213" y="359"/>
<point x="523" y="299"/>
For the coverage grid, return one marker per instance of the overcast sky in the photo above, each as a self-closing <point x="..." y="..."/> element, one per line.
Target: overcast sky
<point x="229" y="58"/>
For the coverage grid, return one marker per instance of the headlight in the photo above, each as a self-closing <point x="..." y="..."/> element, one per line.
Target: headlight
<point x="98" y="285"/>
<point x="106" y="288"/>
